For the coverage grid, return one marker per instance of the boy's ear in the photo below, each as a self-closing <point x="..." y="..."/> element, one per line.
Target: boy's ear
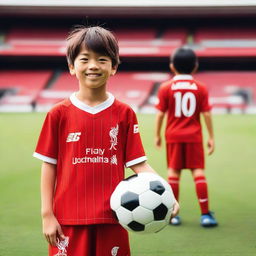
<point x="114" y="69"/>
<point x="71" y="69"/>
<point x="172" y="68"/>
<point x="195" y="68"/>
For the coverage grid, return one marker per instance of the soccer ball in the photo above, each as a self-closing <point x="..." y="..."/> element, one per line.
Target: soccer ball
<point x="143" y="203"/>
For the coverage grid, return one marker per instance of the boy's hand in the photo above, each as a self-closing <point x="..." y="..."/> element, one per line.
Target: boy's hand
<point x="52" y="230"/>
<point x="176" y="209"/>
<point x="210" y="145"/>
<point x="158" y="142"/>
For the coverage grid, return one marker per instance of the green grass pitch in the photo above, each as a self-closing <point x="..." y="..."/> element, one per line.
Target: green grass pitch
<point x="230" y="172"/>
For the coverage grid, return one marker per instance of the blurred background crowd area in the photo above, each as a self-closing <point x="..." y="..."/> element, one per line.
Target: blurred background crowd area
<point x="34" y="73"/>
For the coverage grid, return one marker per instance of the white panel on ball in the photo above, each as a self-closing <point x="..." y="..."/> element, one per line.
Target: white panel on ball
<point x="137" y="186"/>
<point x="124" y="215"/>
<point x="150" y="199"/>
<point x="168" y="199"/>
<point x="142" y="215"/>
<point x="155" y="226"/>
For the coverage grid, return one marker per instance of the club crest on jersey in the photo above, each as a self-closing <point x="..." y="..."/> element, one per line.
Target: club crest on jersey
<point x="73" y="136"/>
<point x="113" y="137"/>
<point x="114" y="251"/>
<point x="62" y="244"/>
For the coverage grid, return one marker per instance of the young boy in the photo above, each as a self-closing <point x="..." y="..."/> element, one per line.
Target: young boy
<point x="183" y="99"/>
<point x="85" y="143"/>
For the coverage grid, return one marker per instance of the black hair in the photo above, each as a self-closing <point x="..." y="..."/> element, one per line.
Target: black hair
<point x="96" y="38"/>
<point x="184" y="60"/>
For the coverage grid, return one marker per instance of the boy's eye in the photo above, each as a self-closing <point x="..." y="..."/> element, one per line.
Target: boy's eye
<point x="103" y="60"/>
<point x="84" y="59"/>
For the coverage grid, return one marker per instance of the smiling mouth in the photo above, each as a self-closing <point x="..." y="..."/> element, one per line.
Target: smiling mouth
<point x="93" y="75"/>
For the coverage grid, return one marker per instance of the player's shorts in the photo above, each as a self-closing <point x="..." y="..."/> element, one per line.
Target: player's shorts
<point x="93" y="240"/>
<point x="185" y="155"/>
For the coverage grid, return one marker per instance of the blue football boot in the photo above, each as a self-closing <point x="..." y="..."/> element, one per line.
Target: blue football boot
<point x="208" y="220"/>
<point x="175" y="221"/>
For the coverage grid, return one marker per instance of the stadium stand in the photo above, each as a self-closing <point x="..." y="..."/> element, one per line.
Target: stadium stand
<point x="225" y="42"/>
<point x="150" y="42"/>
<point x="230" y="91"/>
<point x="20" y="88"/>
<point x="133" y="88"/>
<point x="29" y="41"/>
<point x="36" y="41"/>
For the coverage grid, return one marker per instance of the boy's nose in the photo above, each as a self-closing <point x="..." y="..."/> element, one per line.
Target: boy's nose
<point x="93" y="65"/>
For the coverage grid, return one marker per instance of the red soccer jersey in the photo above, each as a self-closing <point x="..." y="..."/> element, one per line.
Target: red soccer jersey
<point x="91" y="146"/>
<point x="183" y="99"/>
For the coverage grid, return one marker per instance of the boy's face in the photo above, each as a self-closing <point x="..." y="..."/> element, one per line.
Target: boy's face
<point x="92" y="69"/>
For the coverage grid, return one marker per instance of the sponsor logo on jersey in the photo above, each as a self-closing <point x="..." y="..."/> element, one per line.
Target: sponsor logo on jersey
<point x="114" y="251"/>
<point x="184" y="86"/>
<point x="113" y="137"/>
<point x="73" y="136"/>
<point x="94" y="155"/>
<point x="85" y="160"/>
<point x="136" y="128"/>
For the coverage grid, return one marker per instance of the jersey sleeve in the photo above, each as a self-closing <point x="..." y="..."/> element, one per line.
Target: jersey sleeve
<point x="47" y="145"/>
<point x="162" y="103"/>
<point x="205" y="100"/>
<point x="134" y="151"/>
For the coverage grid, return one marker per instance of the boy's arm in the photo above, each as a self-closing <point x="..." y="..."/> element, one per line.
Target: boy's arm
<point x="158" y="126"/>
<point x="208" y="121"/>
<point x="145" y="167"/>
<point x="51" y="227"/>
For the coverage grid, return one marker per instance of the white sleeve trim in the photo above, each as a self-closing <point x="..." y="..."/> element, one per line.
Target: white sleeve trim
<point x="136" y="161"/>
<point x="45" y="158"/>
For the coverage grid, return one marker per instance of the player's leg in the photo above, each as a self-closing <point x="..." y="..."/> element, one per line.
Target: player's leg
<point x="174" y="181"/>
<point x="207" y="218"/>
<point x="195" y="162"/>
<point x="111" y="240"/>
<point x="175" y="161"/>
<point x="201" y="189"/>
<point x="79" y="242"/>
<point x="174" y="156"/>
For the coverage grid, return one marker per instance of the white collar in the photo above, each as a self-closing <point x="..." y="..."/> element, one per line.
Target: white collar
<point x="183" y="77"/>
<point x="92" y="110"/>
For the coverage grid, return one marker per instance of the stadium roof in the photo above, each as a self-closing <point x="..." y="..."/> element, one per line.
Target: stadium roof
<point x="130" y="3"/>
<point x="125" y="8"/>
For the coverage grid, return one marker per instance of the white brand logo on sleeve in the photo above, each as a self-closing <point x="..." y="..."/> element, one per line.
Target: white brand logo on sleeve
<point x="136" y="128"/>
<point x="73" y="136"/>
<point x="114" y="251"/>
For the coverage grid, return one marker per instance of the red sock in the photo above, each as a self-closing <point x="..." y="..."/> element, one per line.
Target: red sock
<point x="174" y="183"/>
<point x="202" y="193"/>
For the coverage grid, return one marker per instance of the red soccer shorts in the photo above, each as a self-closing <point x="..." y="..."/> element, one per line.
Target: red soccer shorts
<point x="185" y="155"/>
<point x="93" y="240"/>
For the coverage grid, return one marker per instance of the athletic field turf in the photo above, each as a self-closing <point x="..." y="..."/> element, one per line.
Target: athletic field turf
<point x="231" y="177"/>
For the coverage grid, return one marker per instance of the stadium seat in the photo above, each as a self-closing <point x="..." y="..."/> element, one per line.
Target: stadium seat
<point x="225" y="42"/>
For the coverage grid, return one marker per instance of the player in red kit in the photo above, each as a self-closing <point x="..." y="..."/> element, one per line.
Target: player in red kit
<point x="183" y="99"/>
<point x="85" y="143"/>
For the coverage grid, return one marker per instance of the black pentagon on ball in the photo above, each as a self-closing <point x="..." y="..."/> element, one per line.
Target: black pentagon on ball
<point x="157" y="187"/>
<point x="130" y="200"/>
<point x="136" y="226"/>
<point x="160" y="212"/>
